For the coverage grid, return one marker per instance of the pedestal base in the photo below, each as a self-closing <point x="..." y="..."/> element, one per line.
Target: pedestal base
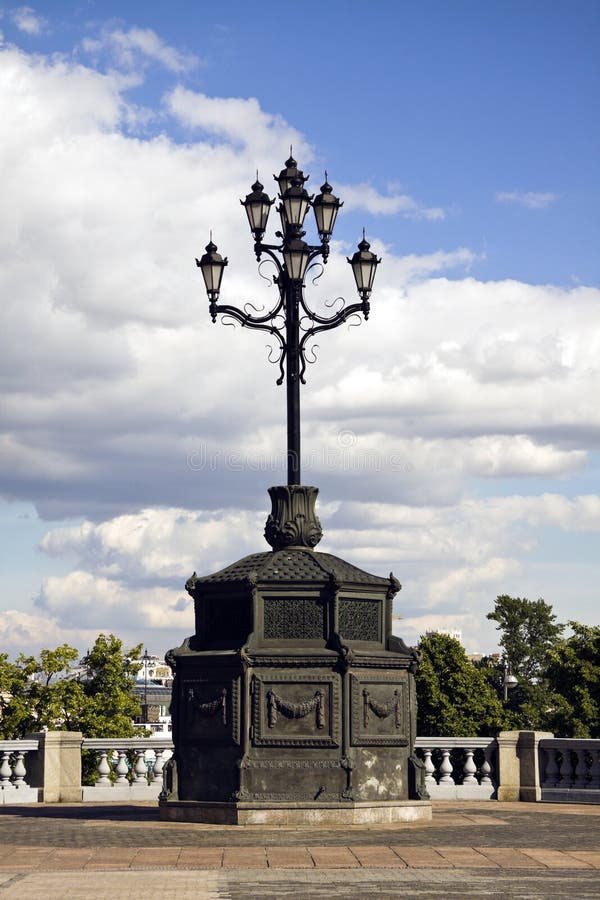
<point x="318" y="814"/>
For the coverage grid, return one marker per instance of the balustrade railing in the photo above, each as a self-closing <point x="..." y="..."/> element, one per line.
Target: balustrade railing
<point x="14" y="786"/>
<point x="570" y="770"/>
<point x="463" y="768"/>
<point x="460" y="768"/>
<point x="127" y="768"/>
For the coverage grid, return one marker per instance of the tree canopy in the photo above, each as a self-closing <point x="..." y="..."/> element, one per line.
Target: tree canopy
<point x="573" y="676"/>
<point x="99" y="704"/>
<point x="528" y="629"/>
<point x="454" y="697"/>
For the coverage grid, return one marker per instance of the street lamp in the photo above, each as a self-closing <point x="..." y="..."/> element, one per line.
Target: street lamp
<point x="291" y="321"/>
<point x="509" y="681"/>
<point x="146" y="659"/>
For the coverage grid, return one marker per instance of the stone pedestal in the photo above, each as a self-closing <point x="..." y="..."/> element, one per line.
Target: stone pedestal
<point x="56" y="768"/>
<point x="293" y="702"/>
<point x="518" y="762"/>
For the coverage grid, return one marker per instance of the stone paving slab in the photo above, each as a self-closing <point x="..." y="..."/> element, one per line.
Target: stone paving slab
<point x="289" y="858"/>
<point x="328" y="884"/>
<point x="422" y="857"/>
<point x="333" y="857"/>
<point x="493" y="850"/>
<point x="557" y="859"/>
<point x="378" y="857"/>
<point x="510" y="858"/>
<point x="466" y="857"/>
<point x="370" y="856"/>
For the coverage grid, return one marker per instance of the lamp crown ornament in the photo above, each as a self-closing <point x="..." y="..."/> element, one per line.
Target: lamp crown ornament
<point x="291" y="322"/>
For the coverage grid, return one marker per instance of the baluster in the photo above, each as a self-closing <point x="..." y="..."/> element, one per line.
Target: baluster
<point x="103" y="769"/>
<point x="595" y="769"/>
<point x="552" y="769"/>
<point x="5" y="769"/>
<point x="19" y="771"/>
<point x="140" y="768"/>
<point x="581" y="769"/>
<point x="122" y="768"/>
<point x="469" y="768"/>
<point x="486" y="767"/>
<point x="157" y="768"/>
<point x="446" y="768"/>
<point x="571" y="757"/>
<point x="562" y="764"/>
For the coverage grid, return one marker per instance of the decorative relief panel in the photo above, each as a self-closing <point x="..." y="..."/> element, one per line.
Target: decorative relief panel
<point x="292" y="710"/>
<point x="210" y="710"/>
<point x="359" y="620"/>
<point x="380" y="713"/>
<point x="294" y="618"/>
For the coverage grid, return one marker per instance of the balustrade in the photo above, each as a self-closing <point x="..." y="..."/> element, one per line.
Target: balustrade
<point x="455" y="768"/>
<point x="459" y="768"/>
<point x="14" y="787"/>
<point x="570" y="770"/>
<point x="127" y="768"/>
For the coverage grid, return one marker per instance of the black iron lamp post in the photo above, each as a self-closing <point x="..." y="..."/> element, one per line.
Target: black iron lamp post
<point x="291" y="321"/>
<point x="293" y="698"/>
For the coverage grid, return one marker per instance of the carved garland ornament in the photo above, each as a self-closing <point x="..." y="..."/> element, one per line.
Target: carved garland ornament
<point x="381" y="710"/>
<point x="276" y="704"/>
<point x="209" y="707"/>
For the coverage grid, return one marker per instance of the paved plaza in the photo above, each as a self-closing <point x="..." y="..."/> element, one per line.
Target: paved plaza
<point x="512" y="850"/>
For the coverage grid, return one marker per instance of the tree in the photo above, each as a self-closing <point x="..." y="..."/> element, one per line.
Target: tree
<point x="573" y="676"/>
<point x="454" y="697"/>
<point x="103" y="704"/>
<point x="110" y="702"/>
<point x="528" y="630"/>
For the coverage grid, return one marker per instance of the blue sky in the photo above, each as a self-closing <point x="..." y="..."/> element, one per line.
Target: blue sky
<point x="464" y="137"/>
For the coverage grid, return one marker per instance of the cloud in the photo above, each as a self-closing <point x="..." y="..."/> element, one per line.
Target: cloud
<point x="241" y="122"/>
<point x="84" y="600"/>
<point x="125" y="406"/>
<point x="139" y="46"/>
<point x="529" y="199"/>
<point x="365" y="197"/>
<point x="26" y="19"/>
<point x="165" y="544"/>
<point x="21" y="632"/>
<point x="456" y="558"/>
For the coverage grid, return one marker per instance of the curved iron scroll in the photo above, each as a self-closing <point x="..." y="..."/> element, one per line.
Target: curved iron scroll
<point x="274" y="320"/>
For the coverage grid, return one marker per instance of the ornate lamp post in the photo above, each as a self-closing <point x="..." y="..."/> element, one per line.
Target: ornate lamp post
<point x="293" y="698"/>
<point x="291" y="321"/>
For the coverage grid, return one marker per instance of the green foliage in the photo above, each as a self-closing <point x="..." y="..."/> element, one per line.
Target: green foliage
<point x="558" y="687"/>
<point x="102" y="704"/>
<point x="454" y="697"/>
<point x="528" y="629"/>
<point x="573" y="676"/>
<point x="110" y="702"/>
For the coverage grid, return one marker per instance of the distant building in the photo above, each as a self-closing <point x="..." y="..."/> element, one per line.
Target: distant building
<point x="153" y="688"/>
<point x="449" y="632"/>
<point x="155" y="700"/>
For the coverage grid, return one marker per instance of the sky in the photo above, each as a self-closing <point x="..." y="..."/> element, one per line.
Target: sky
<point x="454" y="437"/>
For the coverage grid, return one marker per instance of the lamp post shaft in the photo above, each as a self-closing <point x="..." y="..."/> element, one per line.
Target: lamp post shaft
<point x="292" y="300"/>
